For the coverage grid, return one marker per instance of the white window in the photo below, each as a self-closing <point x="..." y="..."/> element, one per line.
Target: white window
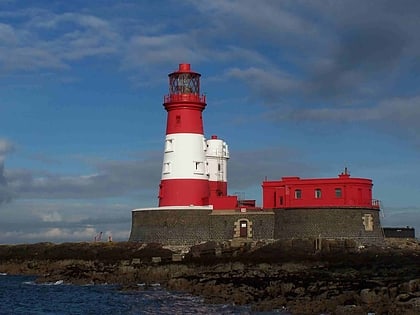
<point x="298" y="194"/>
<point x="198" y="167"/>
<point x="318" y="193"/>
<point x="169" y="145"/>
<point x="166" y="168"/>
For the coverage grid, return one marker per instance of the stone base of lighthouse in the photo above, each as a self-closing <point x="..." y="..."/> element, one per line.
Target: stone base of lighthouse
<point x="194" y="225"/>
<point x="171" y="225"/>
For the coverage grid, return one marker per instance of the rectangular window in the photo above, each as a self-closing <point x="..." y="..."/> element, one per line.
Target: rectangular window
<point x="167" y="168"/>
<point x="169" y="145"/>
<point x="298" y="194"/>
<point x="338" y="193"/>
<point x="199" y="167"/>
<point x="318" y="194"/>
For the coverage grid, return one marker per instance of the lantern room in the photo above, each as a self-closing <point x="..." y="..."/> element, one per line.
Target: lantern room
<point x="184" y="81"/>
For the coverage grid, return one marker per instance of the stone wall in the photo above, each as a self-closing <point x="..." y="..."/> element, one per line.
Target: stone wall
<point x="192" y="226"/>
<point x="360" y="224"/>
<point x="189" y="227"/>
<point x="173" y="227"/>
<point x="226" y="225"/>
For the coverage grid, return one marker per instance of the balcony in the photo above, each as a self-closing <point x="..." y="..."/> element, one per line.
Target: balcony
<point x="184" y="98"/>
<point x="376" y="203"/>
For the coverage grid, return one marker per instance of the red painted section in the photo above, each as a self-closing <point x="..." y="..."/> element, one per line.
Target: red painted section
<point x="218" y="189"/>
<point x="293" y="192"/>
<point x="183" y="192"/>
<point x="221" y="201"/>
<point x="219" y="198"/>
<point x="184" y="119"/>
<point x="224" y="202"/>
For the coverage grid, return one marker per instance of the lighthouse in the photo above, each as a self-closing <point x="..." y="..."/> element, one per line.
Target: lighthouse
<point x="185" y="178"/>
<point x="194" y="204"/>
<point x="217" y="156"/>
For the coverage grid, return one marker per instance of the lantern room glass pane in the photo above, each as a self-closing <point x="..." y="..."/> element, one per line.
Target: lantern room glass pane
<point x="184" y="83"/>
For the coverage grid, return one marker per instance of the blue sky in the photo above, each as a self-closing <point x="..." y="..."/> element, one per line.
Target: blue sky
<point x="299" y="88"/>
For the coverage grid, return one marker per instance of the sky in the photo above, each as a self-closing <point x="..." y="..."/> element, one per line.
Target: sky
<point x="296" y="88"/>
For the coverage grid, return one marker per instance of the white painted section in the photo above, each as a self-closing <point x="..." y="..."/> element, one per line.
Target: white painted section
<point x="217" y="155"/>
<point x="184" y="157"/>
<point x="209" y="207"/>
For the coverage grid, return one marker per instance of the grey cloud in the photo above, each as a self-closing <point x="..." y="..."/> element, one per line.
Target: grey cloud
<point x="7" y="34"/>
<point x="24" y="48"/>
<point x="271" y="85"/>
<point x="363" y="53"/>
<point x="5" y="147"/>
<point x="111" y="179"/>
<point x="6" y="194"/>
<point x="145" y="50"/>
<point x="340" y="51"/>
<point x="59" y="220"/>
<point x="405" y="112"/>
<point x="273" y="163"/>
<point x="268" y="19"/>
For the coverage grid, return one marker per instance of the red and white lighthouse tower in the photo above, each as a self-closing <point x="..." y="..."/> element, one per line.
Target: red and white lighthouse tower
<point x="185" y="179"/>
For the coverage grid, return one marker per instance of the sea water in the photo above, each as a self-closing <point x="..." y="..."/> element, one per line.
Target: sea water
<point x="21" y="295"/>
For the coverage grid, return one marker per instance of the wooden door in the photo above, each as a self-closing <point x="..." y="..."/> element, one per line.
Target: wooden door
<point x="243" y="231"/>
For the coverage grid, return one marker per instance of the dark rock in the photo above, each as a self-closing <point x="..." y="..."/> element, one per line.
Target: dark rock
<point x="274" y="276"/>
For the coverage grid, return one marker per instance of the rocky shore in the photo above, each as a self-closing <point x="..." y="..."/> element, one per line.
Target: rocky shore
<point x="339" y="278"/>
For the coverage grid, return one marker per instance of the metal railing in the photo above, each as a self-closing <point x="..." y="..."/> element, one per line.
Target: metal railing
<point x="184" y="98"/>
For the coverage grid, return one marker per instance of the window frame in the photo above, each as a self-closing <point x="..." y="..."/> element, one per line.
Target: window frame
<point x="338" y="192"/>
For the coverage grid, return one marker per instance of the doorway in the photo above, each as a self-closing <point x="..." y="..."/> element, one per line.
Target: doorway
<point x="243" y="228"/>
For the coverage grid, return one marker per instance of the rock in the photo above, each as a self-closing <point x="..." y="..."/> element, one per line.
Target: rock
<point x="286" y="288"/>
<point x="404" y="297"/>
<point x="179" y="284"/>
<point x="349" y="310"/>
<point x="413" y="285"/>
<point x="368" y="296"/>
<point x="268" y="278"/>
<point x="277" y="303"/>
<point x="300" y="291"/>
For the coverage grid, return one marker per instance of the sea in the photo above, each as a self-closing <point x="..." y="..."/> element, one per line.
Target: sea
<point x="22" y="295"/>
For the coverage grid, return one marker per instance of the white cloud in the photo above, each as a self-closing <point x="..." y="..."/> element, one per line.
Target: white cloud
<point x="29" y="221"/>
<point x="51" y="217"/>
<point x="27" y="47"/>
<point x="5" y="147"/>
